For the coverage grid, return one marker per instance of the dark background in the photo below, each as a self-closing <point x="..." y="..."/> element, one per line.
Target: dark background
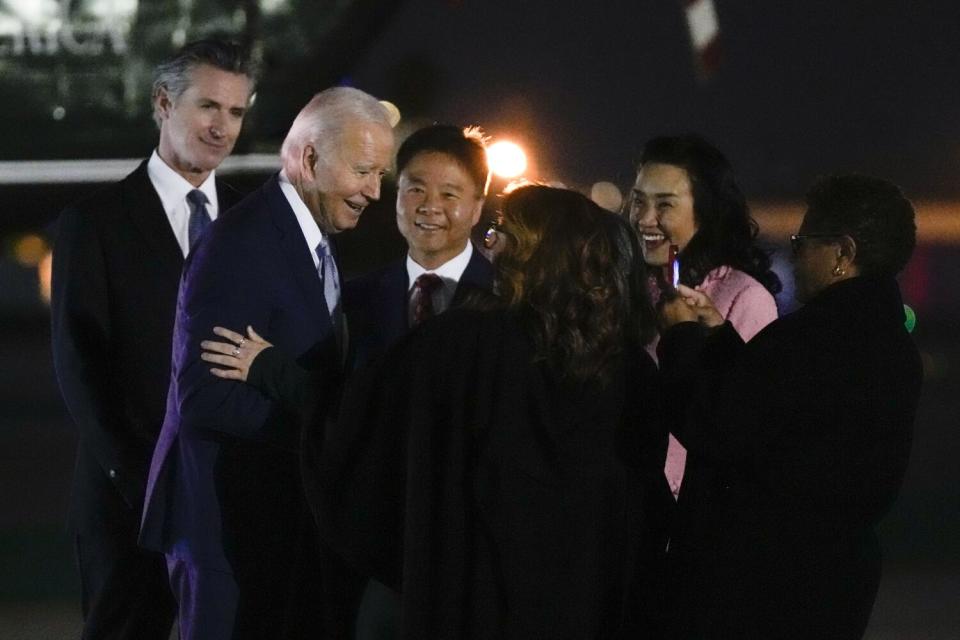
<point x="801" y="88"/>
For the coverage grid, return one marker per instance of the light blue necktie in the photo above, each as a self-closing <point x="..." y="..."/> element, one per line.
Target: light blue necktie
<point x="199" y="218"/>
<point x="330" y="279"/>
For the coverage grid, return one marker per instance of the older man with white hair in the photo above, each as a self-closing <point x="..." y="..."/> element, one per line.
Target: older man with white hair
<point x="224" y="497"/>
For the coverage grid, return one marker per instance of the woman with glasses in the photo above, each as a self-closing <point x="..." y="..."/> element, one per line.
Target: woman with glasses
<point x="492" y="466"/>
<point x="809" y="424"/>
<point x="686" y="196"/>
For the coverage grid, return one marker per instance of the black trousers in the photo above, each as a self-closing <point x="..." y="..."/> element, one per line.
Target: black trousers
<point x="125" y="590"/>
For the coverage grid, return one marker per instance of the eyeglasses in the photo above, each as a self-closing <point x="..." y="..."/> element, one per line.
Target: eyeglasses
<point x="491" y="235"/>
<point x="797" y="239"/>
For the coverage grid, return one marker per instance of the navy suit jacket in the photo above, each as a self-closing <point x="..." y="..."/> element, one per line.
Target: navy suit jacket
<point x="376" y="305"/>
<point x="224" y="488"/>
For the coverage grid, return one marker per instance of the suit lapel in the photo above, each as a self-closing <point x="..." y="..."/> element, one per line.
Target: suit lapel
<point x="297" y="253"/>
<point x="142" y="204"/>
<point x="227" y="196"/>
<point x="392" y="302"/>
<point x="477" y="275"/>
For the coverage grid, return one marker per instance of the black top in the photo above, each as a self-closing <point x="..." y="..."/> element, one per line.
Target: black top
<point x="499" y="502"/>
<point x="809" y="427"/>
<point x="376" y="305"/>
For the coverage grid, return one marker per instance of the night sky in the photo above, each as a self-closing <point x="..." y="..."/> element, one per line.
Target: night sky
<point x="803" y="88"/>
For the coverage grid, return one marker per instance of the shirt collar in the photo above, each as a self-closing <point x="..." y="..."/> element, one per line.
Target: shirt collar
<point x="173" y="187"/>
<point x="450" y="271"/>
<point x="311" y="231"/>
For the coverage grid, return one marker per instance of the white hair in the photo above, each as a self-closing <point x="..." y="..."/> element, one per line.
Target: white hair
<point x="322" y="121"/>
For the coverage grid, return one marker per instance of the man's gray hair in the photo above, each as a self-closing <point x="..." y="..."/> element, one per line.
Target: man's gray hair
<point x="322" y="120"/>
<point x="173" y="75"/>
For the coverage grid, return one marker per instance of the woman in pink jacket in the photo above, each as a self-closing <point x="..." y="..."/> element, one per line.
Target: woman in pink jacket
<point x="685" y="194"/>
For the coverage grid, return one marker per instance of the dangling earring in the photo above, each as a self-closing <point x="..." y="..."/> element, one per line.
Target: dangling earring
<point x="838" y="271"/>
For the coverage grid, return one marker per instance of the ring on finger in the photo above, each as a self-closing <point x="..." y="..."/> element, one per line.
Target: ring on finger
<point x="236" y="351"/>
<point x="242" y="340"/>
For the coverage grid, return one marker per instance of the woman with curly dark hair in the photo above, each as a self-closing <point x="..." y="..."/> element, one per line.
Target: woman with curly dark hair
<point x="567" y="272"/>
<point x="491" y="467"/>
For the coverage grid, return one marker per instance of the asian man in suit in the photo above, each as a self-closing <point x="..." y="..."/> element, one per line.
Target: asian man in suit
<point x="116" y="268"/>
<point x="224" y="497"/>
<point x="442" y="182"/>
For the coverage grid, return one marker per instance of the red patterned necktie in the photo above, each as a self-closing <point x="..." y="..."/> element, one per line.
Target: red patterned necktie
<point x="423" y="289"/>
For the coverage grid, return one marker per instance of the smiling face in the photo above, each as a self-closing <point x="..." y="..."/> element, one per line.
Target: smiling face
<point x="661" y="210"/>
<point x="338" y="186"/>
<point x="199" y="128"/>
<point x="437" y="206"/>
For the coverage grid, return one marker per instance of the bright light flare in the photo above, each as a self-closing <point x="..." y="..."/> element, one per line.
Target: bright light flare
<point x="506" y="159"/>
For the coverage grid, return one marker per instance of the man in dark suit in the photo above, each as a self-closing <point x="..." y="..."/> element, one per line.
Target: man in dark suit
<point x="442" y="182"/>
<point x="224" y="498"/>
<point x="443" y="179"/>
<point x="116" y="268"/>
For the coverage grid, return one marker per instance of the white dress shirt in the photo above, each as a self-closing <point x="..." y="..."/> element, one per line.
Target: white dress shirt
<point x="312" y="236"/>
<point x="173" y="189"/>
<point x="311" y="232"/>
<point x="450" y="273"/>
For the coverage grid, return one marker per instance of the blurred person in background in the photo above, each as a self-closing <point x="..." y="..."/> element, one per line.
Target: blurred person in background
<point x="116" y="268"/>
<point x="809" y="425"/>
<point x="686" y="195"/>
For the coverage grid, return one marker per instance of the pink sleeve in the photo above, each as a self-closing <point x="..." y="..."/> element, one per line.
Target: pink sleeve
<point x="751" y="310"/>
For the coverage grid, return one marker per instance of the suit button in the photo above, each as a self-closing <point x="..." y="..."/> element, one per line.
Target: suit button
<point x="112" y="473"/>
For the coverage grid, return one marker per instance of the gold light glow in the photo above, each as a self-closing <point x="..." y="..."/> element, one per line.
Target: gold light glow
<point x="607" y="195"/>
<point x="43" y="276"/>
<point x="506" y="159"/>
<point x="29" y="250"/>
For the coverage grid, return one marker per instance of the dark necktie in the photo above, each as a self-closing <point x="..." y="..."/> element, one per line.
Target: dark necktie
<point x="423" y="289"/>
<point x="199" y="219"/>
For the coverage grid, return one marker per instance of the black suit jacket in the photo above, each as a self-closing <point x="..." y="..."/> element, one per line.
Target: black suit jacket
<point x="497" y="501"/>
<point x="376" y="310"/>
<point x="116" y="269"/>
<point x="807" y="429"/>
<point x="376" y="305"/>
